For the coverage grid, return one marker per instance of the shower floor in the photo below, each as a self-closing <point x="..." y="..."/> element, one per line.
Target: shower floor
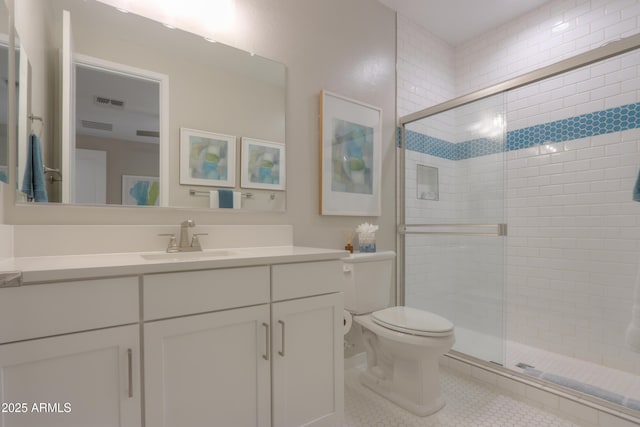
<point x="606" y="378"/>
<point x="490" y="348"/>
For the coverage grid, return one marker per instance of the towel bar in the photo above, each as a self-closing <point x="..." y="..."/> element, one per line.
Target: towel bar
<point x="244" y="195"/>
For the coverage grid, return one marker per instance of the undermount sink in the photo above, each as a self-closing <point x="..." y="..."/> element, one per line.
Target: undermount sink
<point x="186" y="256"/>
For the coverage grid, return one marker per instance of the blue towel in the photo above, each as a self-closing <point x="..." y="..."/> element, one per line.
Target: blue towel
<point x="33" y="183"/>
<point x="636" y="189"/>
<point x="225" y="199"/>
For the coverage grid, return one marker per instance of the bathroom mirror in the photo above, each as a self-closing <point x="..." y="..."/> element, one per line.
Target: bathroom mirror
<point x="115" y="89"/>
<point x="4" y="93"/>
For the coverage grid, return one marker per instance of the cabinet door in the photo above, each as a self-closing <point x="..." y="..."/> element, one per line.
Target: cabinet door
<point x="83" y="379"/>
<point x="308" y="373"/>
<point x="209" y="370"/>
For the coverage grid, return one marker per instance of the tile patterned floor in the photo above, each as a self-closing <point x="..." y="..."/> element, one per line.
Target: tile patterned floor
<point x="469" y="404"/>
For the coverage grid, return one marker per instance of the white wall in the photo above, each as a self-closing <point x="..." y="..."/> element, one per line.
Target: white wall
<point x="574" y="237"/>
<point x="351" y="53"/>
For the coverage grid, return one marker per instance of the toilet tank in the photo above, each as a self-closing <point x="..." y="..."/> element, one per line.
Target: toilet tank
<point x="367" y="278"/>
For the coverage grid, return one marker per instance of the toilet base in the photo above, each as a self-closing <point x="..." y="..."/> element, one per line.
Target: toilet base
<point x="382" y="387"/>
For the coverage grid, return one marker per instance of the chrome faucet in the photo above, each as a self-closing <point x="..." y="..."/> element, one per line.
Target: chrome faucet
<point x="184" y="244"/>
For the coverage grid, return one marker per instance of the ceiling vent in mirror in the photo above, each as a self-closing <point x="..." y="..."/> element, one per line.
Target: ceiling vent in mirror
<point x="150" y="133"/>
<point x="108" y="102"/>
<point x="88" y="124"/>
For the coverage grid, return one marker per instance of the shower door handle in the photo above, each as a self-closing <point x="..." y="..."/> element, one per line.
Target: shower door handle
<point x="482" y="230"/>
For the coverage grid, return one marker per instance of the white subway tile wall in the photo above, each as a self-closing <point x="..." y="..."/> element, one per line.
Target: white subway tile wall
<point x="573" y="247"/>
<point x="556" y="30"/>
<point x="425" y="68"/>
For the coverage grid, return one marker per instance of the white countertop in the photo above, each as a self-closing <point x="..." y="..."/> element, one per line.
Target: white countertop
<point x="67" y="267"/>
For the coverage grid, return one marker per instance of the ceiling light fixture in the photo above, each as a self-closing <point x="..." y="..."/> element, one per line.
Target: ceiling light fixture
<point x="211" y="40"/>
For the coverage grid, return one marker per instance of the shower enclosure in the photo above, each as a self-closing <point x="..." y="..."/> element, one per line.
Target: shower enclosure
<point x="516" y="222"/>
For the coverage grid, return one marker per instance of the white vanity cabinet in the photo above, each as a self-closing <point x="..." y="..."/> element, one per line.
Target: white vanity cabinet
<point x="224" y="347"/>
<point x="53" y="375"/>
<point x="248" y="342"/>
<point x="308" y="364"/>
<point x="209" y="369"/>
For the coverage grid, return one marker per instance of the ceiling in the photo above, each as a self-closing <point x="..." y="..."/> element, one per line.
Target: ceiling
<point x="457" y="21"/>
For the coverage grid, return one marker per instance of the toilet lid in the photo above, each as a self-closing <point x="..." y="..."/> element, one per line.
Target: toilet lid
<point x="413" y="321"/>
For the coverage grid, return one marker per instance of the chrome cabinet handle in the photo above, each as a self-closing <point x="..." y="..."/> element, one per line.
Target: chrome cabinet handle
<point x="130" y="363"/>
<point x="265" y="356"/>
<point x="281" y="353"/>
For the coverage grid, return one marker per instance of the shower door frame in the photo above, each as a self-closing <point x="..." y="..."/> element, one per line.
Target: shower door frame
<point x="608" y="50"/>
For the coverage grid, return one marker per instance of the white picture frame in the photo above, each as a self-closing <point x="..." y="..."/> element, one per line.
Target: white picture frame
<point x="350" y="165"/>
<point x="263" y="164"/>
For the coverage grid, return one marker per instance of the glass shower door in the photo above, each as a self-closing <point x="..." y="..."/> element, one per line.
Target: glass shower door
<point x="453" y="225"/>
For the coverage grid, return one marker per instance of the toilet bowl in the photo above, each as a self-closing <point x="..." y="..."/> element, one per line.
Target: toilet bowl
<point x="403" y="344"/>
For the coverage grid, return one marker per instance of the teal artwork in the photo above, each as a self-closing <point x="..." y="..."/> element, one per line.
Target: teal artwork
<point x="264" y="164"/>
<point x="208" y="158"/>
<point x="351" y="158"/>
<point x="140" y="190"/>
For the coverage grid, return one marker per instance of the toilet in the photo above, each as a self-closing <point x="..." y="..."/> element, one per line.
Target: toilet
<point x="403" y="344"/>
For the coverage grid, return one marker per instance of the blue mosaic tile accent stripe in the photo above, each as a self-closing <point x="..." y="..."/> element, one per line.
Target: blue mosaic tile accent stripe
<point x="479" y="147"/>
<point x="430" y="145"/>
<point x="600" y="122"/>
<point x="611" y="120"/>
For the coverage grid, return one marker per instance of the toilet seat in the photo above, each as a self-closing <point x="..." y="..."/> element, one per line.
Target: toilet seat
<point x="413" y="321"/>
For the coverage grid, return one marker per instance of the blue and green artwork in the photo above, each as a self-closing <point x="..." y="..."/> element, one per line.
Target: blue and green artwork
<point x="264" y="164"/>
<point x="208" y="158"/>
<point x="351" y="158"/>
<point x="140" y="190"/>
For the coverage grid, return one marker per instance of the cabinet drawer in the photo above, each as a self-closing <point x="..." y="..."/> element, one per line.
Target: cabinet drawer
<point x="35" y="311"/>
<point x="306" y="279"/>
<point x="179" y="294"/>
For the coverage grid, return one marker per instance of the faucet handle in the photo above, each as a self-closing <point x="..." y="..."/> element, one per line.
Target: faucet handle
<point x="173" y="246"/>
<point x="195" y="242"/>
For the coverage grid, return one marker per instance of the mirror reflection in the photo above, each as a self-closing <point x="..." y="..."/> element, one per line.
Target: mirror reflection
<point x="114" y="90"/>
<point x="4" y="94"/>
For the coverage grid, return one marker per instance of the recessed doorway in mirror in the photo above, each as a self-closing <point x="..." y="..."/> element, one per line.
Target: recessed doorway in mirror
<point x="206" y="86"/>
<point x="117" y="135"/>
